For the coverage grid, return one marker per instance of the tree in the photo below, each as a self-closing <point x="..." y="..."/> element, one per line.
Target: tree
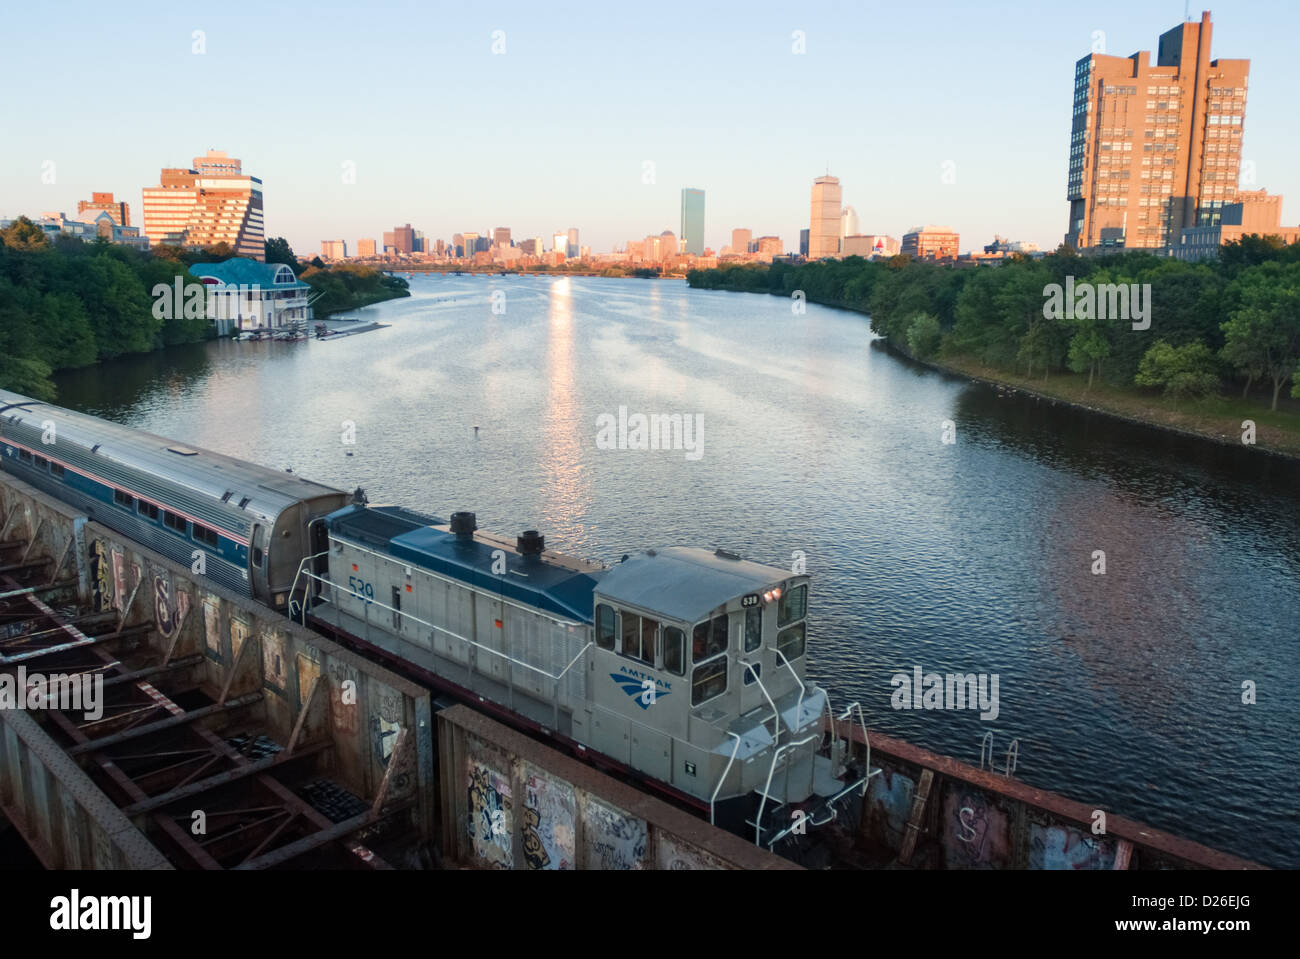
<point x="1263" y="336"/>
<point x="23" y="234"/>
<point x="279" y="251"/>
<point x="923" y="335"/>
<point x="1186" y="370"/>
<point x="1088" y="347"/>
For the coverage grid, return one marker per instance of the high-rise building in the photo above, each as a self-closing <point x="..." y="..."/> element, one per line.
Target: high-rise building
<point x="571" y="246"/>
<point x="1154" y="149"/>
<point x="560" y="242"/>
<point x="849" y="224"/>
<point x="501" y="236"/>
<point x="213" y="202"/>
<point x="650" y="249"/>
<point x="403" y="239"/>
<point x="365" y="247"/>
<point x="768" y="245"/>
<point x="931" y="242"/>
<point x="333" y="249"/>
<point x="824" y="221"/>
<point x="740" y="240"/>
<point x="470" y="242"/>
<point x="667" y="244"/>
<point x="103" y="202"/>
<point x="693" y="222"/>
<point x="803" y="242"/>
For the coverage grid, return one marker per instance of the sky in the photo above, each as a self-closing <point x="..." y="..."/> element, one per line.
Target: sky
<point x="595" y="116"/>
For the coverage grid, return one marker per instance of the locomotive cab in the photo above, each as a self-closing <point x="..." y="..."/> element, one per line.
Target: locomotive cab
<point x="697" y="676"/>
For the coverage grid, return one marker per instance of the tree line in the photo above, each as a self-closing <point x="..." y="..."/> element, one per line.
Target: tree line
<point x="1231" y="322"/>
<point x="67" y="303"/>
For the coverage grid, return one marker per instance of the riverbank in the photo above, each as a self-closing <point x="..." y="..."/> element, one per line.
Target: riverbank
<point x="362" y="299"/>
<point x="1218" y="326"/>
<point x="1217" y="419"/>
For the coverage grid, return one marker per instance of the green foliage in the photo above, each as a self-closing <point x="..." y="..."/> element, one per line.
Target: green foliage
<point x="348" y="286"/>
<point x="1262" y="336"/>
<point x="68" y="304"/>
<point x="278" y="251"/>
<point x="923" y="335"/>
<point x="996" y="314"/>
<point x="1187" y="370"/>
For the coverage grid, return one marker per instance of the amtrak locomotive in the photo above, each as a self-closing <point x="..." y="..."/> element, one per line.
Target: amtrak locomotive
<point x="683" y="667"/>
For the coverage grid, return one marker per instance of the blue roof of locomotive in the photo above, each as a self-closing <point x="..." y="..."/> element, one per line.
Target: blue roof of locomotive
<point x="532" y="582"/>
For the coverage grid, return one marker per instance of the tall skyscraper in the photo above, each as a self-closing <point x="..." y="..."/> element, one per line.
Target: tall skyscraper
<point x="1154" y="148"/>
<point x="501" y="236"/>
<point x="803" y="242"/>
<point x="214" y="202"/>
<point x="740" y="240"/>
<point x="824" y="222"/>
<point x="401" y="239"/>
<point x="560" y="243"/>
<point x="667" y="244"/>
<point x="571" y="248"/>
<point x="693" y="222"/>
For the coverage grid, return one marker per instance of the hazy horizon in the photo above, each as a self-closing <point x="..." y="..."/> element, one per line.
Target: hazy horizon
<point x="556" y="131"/>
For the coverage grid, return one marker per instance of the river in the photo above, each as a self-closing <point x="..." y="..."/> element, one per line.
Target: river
<point x="1124" y="688"/>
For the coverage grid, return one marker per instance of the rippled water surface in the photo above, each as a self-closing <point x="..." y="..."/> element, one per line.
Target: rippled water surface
<point x="1124" y="689"/>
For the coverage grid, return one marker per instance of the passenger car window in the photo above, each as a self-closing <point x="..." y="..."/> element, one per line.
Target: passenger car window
<point x="124" y="500"/>
<point x="794" y="605"/>
<point x="173" y="521"/>
<point x="148" y="509"/>
<point x="606" y="626"/>
<point x="57" y="469"/>
<point x="206" y="536"/>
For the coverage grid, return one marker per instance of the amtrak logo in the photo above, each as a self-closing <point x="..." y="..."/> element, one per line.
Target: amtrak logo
<point x="642" y="687"/>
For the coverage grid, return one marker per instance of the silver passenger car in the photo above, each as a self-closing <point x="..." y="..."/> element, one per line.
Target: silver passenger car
<point x="244" y="526"/>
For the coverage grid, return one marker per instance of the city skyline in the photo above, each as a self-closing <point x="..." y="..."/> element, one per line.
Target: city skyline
<point x="907" y="148"/>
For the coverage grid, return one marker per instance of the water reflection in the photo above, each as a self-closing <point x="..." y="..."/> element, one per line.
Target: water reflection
<point x="562" y="432"/>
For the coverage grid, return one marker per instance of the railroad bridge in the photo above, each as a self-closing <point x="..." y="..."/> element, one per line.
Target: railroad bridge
<point x="224" y="736"/>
